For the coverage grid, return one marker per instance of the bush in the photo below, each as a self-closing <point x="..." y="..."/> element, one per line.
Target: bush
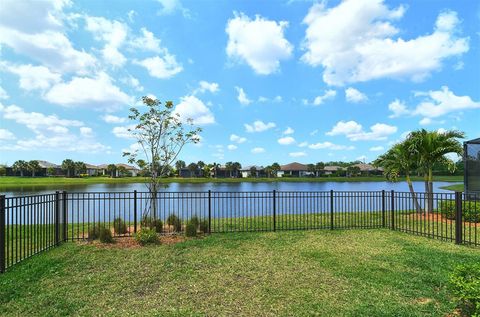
<point x="470" y="210"/>
<point x="465" y="282"/>
<point x="119" y="226"/>
<point x="203" y="226"/>
<point x="101" y="233"/>
<point x="195" y="221"/>
<point x="105" y="235"/>
<point x="146" y="236"/>
<point x="191" y="229"/>
<point x="174" y="221"/>
<point x="156" y="224"/>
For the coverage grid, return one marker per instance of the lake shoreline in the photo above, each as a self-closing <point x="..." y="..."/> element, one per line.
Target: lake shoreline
<point x="29" y="182"/>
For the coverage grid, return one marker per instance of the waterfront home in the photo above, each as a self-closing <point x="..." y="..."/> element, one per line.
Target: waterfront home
<point x="253" y="171"/>
<point x="92" y="170"/>
<point x="368" y="169"/>
<point x="331" y="169"/>
<point x="294" y="169"/>
<point x="46" y="169"/>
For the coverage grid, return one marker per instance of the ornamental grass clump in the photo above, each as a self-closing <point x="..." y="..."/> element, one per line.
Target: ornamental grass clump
<point x="100" y="233"/>
<point x="146" y="236"/>
<point x="175" y="222"/>
<point x="155" y="224"/>
<point x="191" y="229"/>
<point x="119" y="226"/>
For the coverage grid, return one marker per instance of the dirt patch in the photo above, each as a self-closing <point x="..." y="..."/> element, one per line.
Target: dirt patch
<point x="440" y="218"/>
<point x="131" y="243"/>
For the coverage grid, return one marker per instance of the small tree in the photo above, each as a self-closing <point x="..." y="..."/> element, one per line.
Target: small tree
<point x="275" y="168"/>
<point x="33" y="167"/>
<point x="50" y="171"/>
<point x="68" y="165"/>
<point x="179" y="165"/>
<point x="161" y="135"/>
<point x="253" y="171"/>
<point x="3" y="170"/>
<point x="20" y="166"/>
<point x="112" y="169"/>
<point x="80" y="168"/>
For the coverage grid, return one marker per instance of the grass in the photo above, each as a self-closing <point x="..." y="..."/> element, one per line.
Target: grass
<point x="303" y="273"/>
<point x="9" y="182"/>
<point x="455" y="188"/>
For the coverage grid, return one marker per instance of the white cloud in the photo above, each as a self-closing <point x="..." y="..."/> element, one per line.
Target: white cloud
<point x="232" y="147"/>
<point x="242" y="96"/>
<point x="190" y="107"/>
<point x="288" y="131"/>
<point x="86" y="131"/>
<point x="276" y="99"/>
<point x="108" y="118"/>
<point x="50" y="133"/>
<point x="362" y="158"/>
<point x="303" y="144"/>
<point x="34" y="29"/>
<point x="354" y="131"/>
<point x="3" y="94"/>
<point x="258" y="150"/>
<point x="206" y="86"/>
<point x="237" y="139"/>
<point x="83" y="91"/>
<point x="132" y="82"/>
<point x="398" y="109"/>
<point x="259" y="126"/>
<point x="328" y="95"/>
<point x="330" y="146"/>
<point x="147" y="42"/>
<point x="286" y="140"/>
<point x="362" y="43"/>
<point x="122" y="132"/>
<point x="6" y="135"/>
<point x="113" y="34"/>
<point x="34" y="77"/>
<point x="440" y="102"/>
<point x="377" y="148"/>
<point x="354" y="95"/>
<point x="297" y="154"/>
<point x="171" y="6"/>
<point x="260" y="42"/>
<point x="161" y="67"/>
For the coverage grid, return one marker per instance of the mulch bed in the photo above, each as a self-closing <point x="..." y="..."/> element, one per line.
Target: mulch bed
<point x="131" y="243"/>
<point x="438" y="217"/>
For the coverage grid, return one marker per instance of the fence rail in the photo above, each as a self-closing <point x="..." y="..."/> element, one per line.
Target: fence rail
<point x="35" y="223"/>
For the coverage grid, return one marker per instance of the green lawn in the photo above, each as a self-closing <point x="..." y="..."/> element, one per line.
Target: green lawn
<point x="301" y="273"/>
<point x="455" y="188"/>
<point x="7" y="182"/>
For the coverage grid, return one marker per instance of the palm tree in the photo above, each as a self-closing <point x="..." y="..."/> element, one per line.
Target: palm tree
<point x="179" y="165"/>
<point x="33" y="167"/>
<point x="68" y="165"/>
<point x="320" y="166"/>
<point x="112" y="169"/>
<point x="80" y="167"/>
<point x="229" y="167"/>
<point x="275" y="168"/>
<point x="253" y="171"/>
<point x="399" y="160"/>
<point x="311" y="168"/>
<point x="430" y="148"/>
<point x="236" y="167"/>
<point x="20" y="166"/>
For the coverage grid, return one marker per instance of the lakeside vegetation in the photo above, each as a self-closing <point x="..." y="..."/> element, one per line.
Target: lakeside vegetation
<point x="8" y="182"/>
<point x="455" y="188"/>
<point x="383" y="273"/>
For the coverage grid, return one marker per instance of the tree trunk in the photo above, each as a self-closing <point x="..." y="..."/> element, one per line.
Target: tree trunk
<point x="418" y="208"/>
<point x="427" y="201"/>
<point x="430" y="191"/>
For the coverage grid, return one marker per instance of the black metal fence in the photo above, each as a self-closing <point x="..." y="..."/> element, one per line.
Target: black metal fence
<point x="31" y="224"/>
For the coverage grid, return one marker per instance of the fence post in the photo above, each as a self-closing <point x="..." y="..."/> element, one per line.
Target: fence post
<point x="2" y="234"/>
<point x="65" y="220"/>
<point x="209" y="211"/>
<point x="274" y="211"/>
<point x="458" y="218"/>
<point x="331" y="210"/>
<point x="135" y="211"/>
<point x="392" y="207"/>
<point x="383" y="208"/>
<point x="57" y="218"/>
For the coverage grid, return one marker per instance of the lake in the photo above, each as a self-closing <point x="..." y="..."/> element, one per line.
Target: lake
<point x="234" y="187"/>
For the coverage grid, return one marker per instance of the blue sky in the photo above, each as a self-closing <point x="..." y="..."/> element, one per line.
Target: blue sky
<point x="275" y="81"/>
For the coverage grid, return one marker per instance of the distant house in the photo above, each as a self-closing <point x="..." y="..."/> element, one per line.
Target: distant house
<point x="247" y="171"/>
<point x="294" y="169"/>
<point x="92" y="170"/>
<point x="332" y="169"/>
<point x="186" y="172"/>
<point x="368" y="169"/>
<point x="46" y="169"/>
<point x="103" y="169"/>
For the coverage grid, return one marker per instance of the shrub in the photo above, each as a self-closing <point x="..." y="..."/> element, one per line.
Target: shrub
<point x="94" y="233"/>
<point x="156" y="224"/>
<point x="174" y="221"/>
<point x="191" y="229"/>
<point x="195" y="221"/>
<point x="465" y="282"/>
<point x="119" y="226"/>
<point x="105" y="235"/>
<point x="470" y="210"/>
<point x="146" y="236"/>
<point x="203" y="226"/>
